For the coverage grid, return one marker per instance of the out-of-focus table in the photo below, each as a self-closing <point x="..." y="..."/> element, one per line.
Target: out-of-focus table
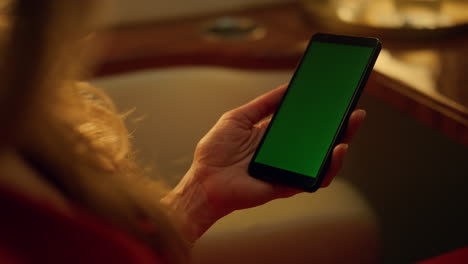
<point x="426" y="79"/>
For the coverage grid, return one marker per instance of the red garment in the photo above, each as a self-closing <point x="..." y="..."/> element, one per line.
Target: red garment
<point x="458" y="256"/>
<point x="32" y="232"/>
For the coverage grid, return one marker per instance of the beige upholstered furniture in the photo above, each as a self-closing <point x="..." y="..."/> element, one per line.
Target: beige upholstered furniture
<point x="179" y="105"/>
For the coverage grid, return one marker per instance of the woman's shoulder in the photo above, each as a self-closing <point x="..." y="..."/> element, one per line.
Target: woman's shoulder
<point x="33" y="232"/>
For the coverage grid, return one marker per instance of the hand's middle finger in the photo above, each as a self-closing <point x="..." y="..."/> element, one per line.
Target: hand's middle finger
<point x="355" y="121"/>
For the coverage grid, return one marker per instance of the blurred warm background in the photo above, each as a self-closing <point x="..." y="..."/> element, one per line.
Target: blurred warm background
<point x="401" y="196"/>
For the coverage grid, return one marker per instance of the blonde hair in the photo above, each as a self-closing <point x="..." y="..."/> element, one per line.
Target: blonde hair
<point x="69" y="131"/>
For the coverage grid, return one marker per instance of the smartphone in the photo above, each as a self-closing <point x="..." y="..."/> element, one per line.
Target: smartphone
<point x="312" y="116"/>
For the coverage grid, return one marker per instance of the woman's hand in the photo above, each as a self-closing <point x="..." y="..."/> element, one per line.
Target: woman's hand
<point x="218" y="182"/>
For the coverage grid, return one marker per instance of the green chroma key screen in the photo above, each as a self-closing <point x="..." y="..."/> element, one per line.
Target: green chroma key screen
<point x="311" y="112"/>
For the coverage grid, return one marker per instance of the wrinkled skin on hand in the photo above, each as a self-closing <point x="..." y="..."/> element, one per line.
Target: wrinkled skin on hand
<point x="218" y="182"/>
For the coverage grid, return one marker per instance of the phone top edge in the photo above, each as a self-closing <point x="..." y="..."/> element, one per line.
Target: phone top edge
<point x="350" y="40"/>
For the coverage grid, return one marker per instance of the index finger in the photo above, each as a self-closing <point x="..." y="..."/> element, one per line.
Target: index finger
<point x="262" y="106"/>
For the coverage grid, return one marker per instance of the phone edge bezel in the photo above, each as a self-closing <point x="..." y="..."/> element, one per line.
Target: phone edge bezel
<point x="307" y="183"/>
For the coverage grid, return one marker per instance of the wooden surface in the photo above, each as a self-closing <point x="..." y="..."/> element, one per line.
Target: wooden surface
<point x="426" y="79"/>
<point x="186" y="43"/>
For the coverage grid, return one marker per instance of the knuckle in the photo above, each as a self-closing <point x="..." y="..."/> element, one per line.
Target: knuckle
<point x="229" y="114"/>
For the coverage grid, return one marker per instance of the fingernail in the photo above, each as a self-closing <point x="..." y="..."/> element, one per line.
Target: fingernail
<point x="362" y="113"/>
<point x="345" y="146"/>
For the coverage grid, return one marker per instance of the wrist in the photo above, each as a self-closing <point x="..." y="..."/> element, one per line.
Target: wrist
<point x="188" y="205"/>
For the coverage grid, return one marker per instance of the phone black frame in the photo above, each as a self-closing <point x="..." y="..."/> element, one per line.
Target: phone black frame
<point x="303" y="182"/>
